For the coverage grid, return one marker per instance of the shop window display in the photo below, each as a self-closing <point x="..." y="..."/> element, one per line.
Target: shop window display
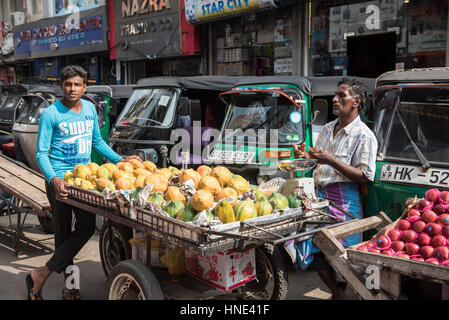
<point x="255" y="45"/>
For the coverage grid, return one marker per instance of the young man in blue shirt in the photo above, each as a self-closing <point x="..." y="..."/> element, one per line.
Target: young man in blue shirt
<point x="68" y="129"/>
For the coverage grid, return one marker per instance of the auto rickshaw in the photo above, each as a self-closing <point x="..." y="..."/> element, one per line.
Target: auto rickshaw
<point x="410" y="122"/>
<point x="109" y="101"/>
<point x="298" y="107"/>
<point x="161" y="105"/>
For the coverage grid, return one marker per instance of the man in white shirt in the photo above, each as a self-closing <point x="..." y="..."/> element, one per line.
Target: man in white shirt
<point x="346" y="152"/>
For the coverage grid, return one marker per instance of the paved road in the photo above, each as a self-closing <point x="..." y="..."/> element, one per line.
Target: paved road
<point x="93" y="281"/>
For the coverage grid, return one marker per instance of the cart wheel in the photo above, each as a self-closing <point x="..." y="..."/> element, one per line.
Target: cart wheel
<point x="132" y="280"/>
<point x="46" y="224"/>
<point x="271" y="281"/>
<point x="120" y="249"/>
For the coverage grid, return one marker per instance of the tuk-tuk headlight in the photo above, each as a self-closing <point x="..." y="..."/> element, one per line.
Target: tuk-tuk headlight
<point x="278" y="154"/>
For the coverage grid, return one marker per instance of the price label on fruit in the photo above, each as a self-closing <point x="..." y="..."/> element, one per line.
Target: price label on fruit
<point x="273" y="185"/>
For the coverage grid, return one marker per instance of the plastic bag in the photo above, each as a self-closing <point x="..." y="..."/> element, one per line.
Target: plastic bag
<point x="175" y="261"/>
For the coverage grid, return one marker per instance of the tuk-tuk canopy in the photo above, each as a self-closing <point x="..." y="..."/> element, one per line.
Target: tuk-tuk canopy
<point x="19" y="89"/>
<point x="302" y="83"/>
<point x="326" y="86"/>
<point x="114" y="91"/>
<point x="55" y="90"/>
<point x="422" y="75"/>
<point x="214" y="83"/>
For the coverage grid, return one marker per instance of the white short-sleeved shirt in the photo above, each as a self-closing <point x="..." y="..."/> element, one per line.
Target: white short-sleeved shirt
<point x="354" y="145"/>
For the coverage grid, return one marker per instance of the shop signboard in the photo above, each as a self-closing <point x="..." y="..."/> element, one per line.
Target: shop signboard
<point x="147" y="29"/>
<point x="62" y="35"/>
<point x="64" y="7"/>
<point x="199" y="11"/>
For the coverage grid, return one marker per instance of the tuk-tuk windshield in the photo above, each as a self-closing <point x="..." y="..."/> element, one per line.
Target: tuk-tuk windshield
<point x="269" y="110"/>
<point x="32" y="109"/>
<point x="151" y="107"/>
<point x="10" y="102"/>
<point x="419" y="112"/>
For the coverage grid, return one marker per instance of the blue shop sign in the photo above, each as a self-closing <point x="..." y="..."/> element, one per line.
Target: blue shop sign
<point x="87" y="32"/>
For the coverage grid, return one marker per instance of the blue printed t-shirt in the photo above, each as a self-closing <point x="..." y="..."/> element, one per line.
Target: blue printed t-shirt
<point x="66" y="138"/>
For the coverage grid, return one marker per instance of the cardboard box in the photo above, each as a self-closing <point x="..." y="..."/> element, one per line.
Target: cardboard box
<point x="139" y="250"/>
<point x="223" y="270"/>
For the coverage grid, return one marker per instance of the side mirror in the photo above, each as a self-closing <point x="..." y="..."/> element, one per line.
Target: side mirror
<point x="320" y="110"/>
<point x="113" y="107"/>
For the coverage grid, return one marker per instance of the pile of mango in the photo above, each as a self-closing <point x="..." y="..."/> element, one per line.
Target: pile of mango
<point x="212" y="185"/>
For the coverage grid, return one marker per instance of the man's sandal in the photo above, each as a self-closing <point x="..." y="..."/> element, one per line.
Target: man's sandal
<point x="30" y="284"/>
<point x="71" y="294"/>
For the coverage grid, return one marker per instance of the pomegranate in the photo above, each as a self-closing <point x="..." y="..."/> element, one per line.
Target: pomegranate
<point x="444" y="219"/>
<point x="445" y="231"/>
<point x="383" y="242"/>
<point x="413" y="219"/>
<point x="374" y="250"/>
<point x="424" y="204"/>
<point x="370" y="244"/>
<point x="419" y="226"/>
<point x="427" y="252"/>
<point x="413" y="213"/>
<point x="403" y="225"/>
<point x="441" y="253"/>
<point x="444" y="196"/>
<point x="429" y="216"/>
<point x="424" y="239"/>
<point x="395" y="234"/>
<point x="363" y="248"/>
<point x="397" y="245"/>
<point x="433" y="229"/>
<point x="417" y="257"/>
<point x="403" y="256"/>
<point x="409" y="236"/>
<point x="388" y="252"/>
<point x="411" y="248"/>
<point x="432" y="194"/>
<point x="433" y="261"/>
<point x="445" y="263"/>
<point x="438" y="240"/>
<point x="440" y="209"/>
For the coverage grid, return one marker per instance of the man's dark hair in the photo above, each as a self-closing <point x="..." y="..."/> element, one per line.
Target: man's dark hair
<point x="73" y="71"/>
<point x="359" y="89"/>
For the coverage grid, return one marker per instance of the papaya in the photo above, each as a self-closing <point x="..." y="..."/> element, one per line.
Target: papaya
<point x="294" y="201"/>
<point x="166" y="172"/>
<point x="210" y="184"/>
<point x="225" y="212"/>
<point x="186" y="214"/>
<point x="137" y="164"/>
<point x="141" y="172"/>
<point x="150" y="166"/>
<point x="157" y="198"/>
<point x="71" y="180"/>
<point x="93" y="167"/>
<point x="245" y="210"/>
<point x="92" y="179"/>
<point x="202" y="200"/>
<point x="222" y="174"/>
<point x="102" y="172"/>
<point x="102" y="183"/>
<point x="124" y="184"/>
<point x="86" y="185"/>
<point x="190" y="174"/>
<point x="239" y="184"/>
<point x="117" y="174"/>
<point x="77" y="182"/>
<point x="209" y="214"/>
<point x="68" y="174"/>
<point x="259" y="194"/>
<point x="125" y="166"/>
<point x="229" y="194"/>
<point x="140" y="181"/>
<point x="204" y="170"/>
<point x="263" y="207"/>
<point x="278" y="200"/>
<point x="174" y="193"/>
<point x="159" y="182"/>
<point x="174" y="170"/>
<point x="110" y="167"/>
<point x="81" y="171"/>
<point x="172" y="207"/>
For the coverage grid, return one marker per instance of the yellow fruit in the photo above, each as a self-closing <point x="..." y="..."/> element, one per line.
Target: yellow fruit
<point x="204" y="170"/>
<point x="110" y="167"/>
<point x="190" y="174"/>
<point x="224" y="212"/>
<point x="159" y="182"/>
<point x="210" y="184"/>
<point x="141" y="172"/>
<point x="150" y="166"/>
<point x="124" y="184"/>
<point x="103" y="183"/>
<point x="239" y="184"/>
<point x="93" y="167"/>
<point x="102" y="172"/>
<point x="68" y="174"/>
<point x="229" y="194"/>
<point x="125" y="166"/>
<point x="174" y="170"/>
<point x="92" y="179"/>
<point x="174" y="193"/>
<point x="86" y="185"/>
<point x="81" y="171"/>
<point x="202" y="200"/>
<point x="137" y="164"/>
<point x="77" y="182"/>
<point x="117" y="174"/>
<point x="140" y="181"/>
<point x="71" y="181"/>
<point x="166" y="172"/>
<point x="222" y="174"/>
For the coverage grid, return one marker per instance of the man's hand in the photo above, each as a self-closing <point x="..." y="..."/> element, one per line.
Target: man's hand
<point x="299" y="150"/>
<point x="127" y="158"/>
<point x="322" y="156"/>
<point x="60" y="188"/>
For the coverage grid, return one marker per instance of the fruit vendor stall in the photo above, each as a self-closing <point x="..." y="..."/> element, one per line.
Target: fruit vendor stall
<point x="167" y="225"/>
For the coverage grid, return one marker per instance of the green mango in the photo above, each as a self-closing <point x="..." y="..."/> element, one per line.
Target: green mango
<point x="294" y="201"/>
<point x="173" y="206"/>
<point x="157" y="198"/>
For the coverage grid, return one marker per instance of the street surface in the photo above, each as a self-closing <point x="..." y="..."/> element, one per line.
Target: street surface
<point x="93" y="285"/>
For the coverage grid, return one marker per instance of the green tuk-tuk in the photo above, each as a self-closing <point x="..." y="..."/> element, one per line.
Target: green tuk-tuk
<point x="411" y="125"/>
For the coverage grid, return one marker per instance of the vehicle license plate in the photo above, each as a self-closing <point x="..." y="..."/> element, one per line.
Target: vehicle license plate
<point x="434" y="177"/>
<point x="231" y="156"/>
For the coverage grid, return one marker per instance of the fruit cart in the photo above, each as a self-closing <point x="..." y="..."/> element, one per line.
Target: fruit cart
<point x="131" y="278"/>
